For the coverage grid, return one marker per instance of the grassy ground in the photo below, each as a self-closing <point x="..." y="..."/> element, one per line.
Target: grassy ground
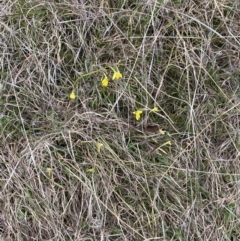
<point x="84" y="168"/>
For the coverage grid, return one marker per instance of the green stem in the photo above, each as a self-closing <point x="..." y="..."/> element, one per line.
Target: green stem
<point x="87" y="74"/>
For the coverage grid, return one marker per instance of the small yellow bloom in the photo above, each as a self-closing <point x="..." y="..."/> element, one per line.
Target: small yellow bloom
<point x="161" y="131"/>
<point x="105" y="81"/>
<point x="116" y="75"/>
<point x="91" y="170"/>
<point x="137" y="114"/>
<point x="155" y="109"/>
<point x="49" y="171"/>
<point x="72" y="95"/>
<point x="99" y="146"/>
<point x="168" y="143"/>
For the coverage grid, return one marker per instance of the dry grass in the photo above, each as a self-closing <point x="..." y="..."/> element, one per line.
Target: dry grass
<point x="56" y="183"/>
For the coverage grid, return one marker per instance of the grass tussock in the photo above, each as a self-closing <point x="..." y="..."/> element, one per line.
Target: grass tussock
<point x="119" y="120"/>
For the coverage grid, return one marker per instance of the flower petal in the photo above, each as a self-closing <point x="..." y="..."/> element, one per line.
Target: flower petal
<point x="137" y="114"/>
<point x="117" y="75"/>
<point x="105" y="81"/>
<point x="72" y="96"/>
<point x="99" y="145"/>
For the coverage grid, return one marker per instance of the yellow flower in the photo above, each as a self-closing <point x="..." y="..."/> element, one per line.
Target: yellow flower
<point x="161" y="131"/>
<point x="72" y="95"/>
<point x="105" y="81"/>
<point x="137" y="114"/>
<point x="116" y="74"/>
<point x="90" y="170"/>
<point x="49" y="171"/>
<point x="155" y="109"/>
<point x="99" y="145"/>
<point x="168" y="143"/>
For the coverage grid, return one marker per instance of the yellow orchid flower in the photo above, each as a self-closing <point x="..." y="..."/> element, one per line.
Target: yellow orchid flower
<point x="49" y="171"/>
<point x="161" y="131"/>
<point x="72" y="95"/>
<point x="90" y="170"/>
<point x="116" y="74"/>
<point x="105" y="81"/>
<point x="137" y="114"/>
<point x="155" y="109"/>
<point x="168" y="143"/>
<point x="99" y="146"/>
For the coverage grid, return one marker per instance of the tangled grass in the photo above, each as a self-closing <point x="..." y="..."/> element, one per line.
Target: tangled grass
<point x="153" y="155"/>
